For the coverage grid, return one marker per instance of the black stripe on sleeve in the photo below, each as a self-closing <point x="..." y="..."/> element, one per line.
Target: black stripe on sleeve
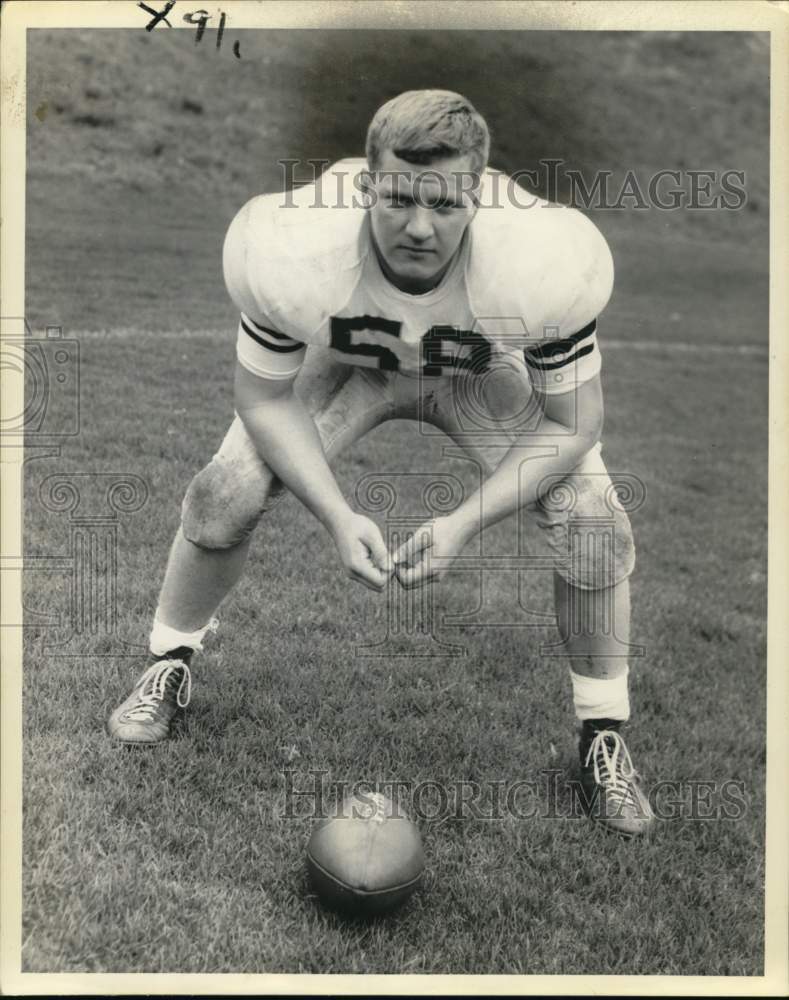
<point x="549" y="366"/>
<point x="563" y="346"/>
<point x="289" y="348"/>
<point x="259" y="328"/>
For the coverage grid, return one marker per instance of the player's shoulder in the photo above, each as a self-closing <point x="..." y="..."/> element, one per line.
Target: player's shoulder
<point x="510" y="213"/>
<point x="543" y="260"/>
<point x="290" y="248"/>
<point x="313" y="221"/>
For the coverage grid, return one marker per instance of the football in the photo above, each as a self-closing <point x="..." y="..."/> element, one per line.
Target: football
<point x="367" y="858"/>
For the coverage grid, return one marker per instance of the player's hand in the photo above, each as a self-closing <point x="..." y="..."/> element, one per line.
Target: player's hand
<point x="363" y="551"/>
<point x="427" y="555"/>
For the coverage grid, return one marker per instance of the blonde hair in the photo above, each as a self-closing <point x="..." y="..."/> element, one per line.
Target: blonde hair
<point x="420" y="126"/>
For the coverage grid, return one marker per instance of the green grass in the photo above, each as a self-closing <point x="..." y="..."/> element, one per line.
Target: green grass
<point x="182" y="859"/>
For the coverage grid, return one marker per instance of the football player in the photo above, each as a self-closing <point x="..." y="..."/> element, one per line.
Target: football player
<point x="414" y="285"/>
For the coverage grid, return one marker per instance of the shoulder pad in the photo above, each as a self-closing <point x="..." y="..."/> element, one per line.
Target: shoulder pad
<point x="296" y="254"/>
<point x="543" y="265"/>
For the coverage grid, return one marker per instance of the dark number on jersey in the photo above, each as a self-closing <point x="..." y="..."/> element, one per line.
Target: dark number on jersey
<point x="443" y="347"/>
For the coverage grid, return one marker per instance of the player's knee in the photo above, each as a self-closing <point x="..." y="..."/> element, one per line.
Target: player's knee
<point x="222" y="506"/>
<point x="589" y="532"/>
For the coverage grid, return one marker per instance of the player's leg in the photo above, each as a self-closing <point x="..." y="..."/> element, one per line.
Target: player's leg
<point x="594" y="626"/>
<point x="222" y="506"/>
<point x="197" y="580"/>
<point x="225" y="501"/>
<point x="205" y="561"/>
<point x="591" y="539"/>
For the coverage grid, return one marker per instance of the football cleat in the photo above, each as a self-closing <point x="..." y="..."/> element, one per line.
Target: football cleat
<point x="612" y="790"/>
<point x="159" y="695"/>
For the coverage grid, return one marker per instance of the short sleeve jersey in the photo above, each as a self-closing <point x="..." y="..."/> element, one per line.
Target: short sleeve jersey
<point x="529" y="277"/>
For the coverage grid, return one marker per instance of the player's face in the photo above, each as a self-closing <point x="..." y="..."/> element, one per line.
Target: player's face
<point x="418" y="216"/>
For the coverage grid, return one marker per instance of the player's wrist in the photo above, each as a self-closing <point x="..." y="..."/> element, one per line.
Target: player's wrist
<point x="336" y="516"/>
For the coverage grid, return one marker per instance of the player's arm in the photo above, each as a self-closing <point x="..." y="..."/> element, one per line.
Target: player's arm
<point x="287" y="439"/>
<point x="570" y="426"/>
<point x="564" y="372"/>
<point x="280" y="426"/>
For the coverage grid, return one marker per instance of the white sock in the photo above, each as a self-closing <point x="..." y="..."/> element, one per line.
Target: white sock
<point x="601" y="697"/>
<point x="163" y="638"/>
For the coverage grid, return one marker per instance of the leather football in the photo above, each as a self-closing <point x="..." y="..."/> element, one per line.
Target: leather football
<point x="367" y="858"/>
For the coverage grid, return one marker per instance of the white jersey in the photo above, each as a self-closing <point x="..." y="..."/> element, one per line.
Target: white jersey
<point x="302" y="270"/>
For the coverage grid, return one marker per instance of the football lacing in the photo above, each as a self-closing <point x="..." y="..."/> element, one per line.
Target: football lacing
<point x="379" y="807"/>
<point x="613" y="768"/>
<point x="154" y="685"/>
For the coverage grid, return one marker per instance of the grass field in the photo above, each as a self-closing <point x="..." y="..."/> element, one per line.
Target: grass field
<point x="182" y="859"/>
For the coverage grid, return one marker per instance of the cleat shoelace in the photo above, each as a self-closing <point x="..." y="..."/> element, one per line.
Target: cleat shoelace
<point x="155" y="683"/>
<point x="613" y="768"/>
